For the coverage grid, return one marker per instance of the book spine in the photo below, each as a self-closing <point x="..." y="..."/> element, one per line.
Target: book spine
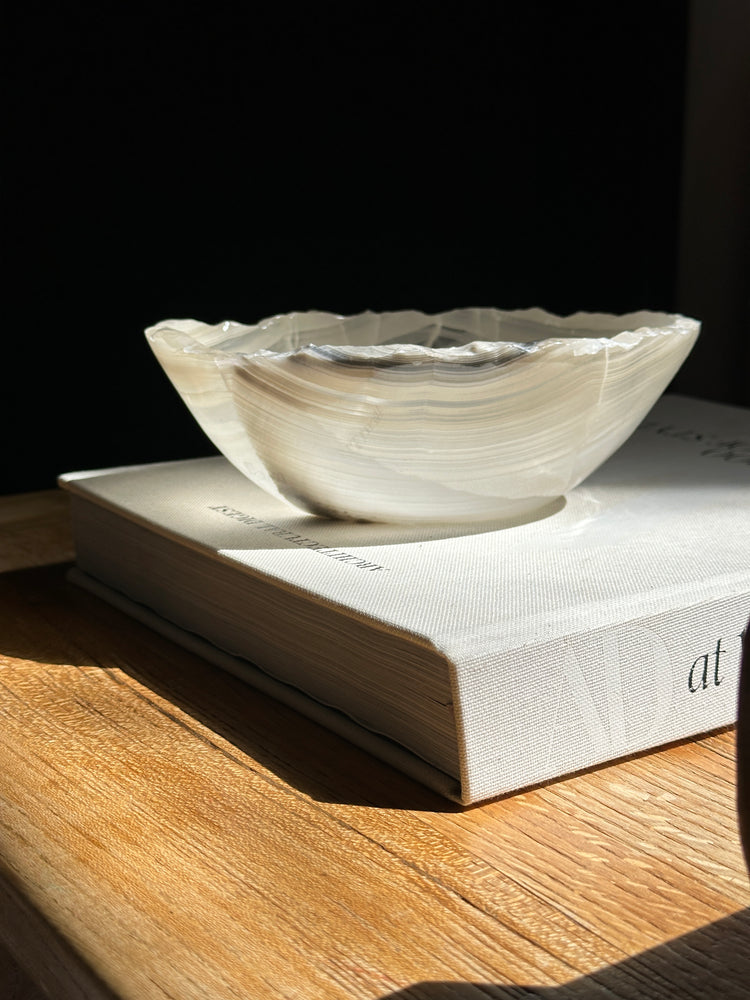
<point x="556" y="707"/>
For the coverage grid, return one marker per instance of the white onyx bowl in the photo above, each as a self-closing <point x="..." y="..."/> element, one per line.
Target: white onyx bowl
<point x="471" y="415"/>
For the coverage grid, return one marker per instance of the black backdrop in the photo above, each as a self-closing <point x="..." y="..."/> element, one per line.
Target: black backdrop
<point x="258" y="159"/>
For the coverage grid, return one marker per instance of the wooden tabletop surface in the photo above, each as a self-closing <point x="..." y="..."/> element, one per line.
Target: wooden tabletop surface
<point x="168" y="832"/>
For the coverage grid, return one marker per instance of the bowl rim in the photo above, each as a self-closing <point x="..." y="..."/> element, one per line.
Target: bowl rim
<point x="581" y="332"/>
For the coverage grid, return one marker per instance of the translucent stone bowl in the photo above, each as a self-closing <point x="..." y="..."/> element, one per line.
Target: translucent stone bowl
<point x="471" y="415"/>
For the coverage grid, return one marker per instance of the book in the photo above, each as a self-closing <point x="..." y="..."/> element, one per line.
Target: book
<point x="482" y="658"/>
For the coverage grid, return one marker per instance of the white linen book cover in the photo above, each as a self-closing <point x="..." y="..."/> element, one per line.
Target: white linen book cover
<point x="479" y="658"/>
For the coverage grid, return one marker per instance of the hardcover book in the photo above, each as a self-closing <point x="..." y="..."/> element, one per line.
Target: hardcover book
<point x="479" y="658"/>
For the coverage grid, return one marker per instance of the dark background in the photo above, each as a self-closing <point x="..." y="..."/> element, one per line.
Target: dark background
<point x="257" y="159"/>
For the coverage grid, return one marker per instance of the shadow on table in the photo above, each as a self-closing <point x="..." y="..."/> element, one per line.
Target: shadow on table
<point x="711" y="963"/>
<point x="48" y="620"/>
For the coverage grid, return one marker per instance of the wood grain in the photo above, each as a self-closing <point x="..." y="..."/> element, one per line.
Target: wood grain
<point x="166" y="831"/>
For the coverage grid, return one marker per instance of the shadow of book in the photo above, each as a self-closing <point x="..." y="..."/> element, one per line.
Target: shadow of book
<point x="710" y="963"/>
<point x="79" y="632"/>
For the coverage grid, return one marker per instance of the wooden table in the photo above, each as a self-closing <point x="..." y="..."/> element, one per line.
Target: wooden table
<point x="167" y="832"/>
